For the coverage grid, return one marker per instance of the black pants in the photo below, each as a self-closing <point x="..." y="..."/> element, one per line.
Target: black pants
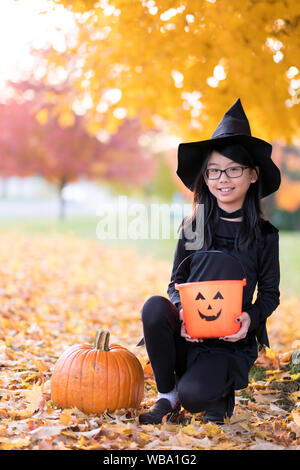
<point x="204" y="382"/>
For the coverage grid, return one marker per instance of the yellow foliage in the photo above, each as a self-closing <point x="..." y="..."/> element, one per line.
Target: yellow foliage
<point x="72" y="289"/>
<point x="271" y="353"/>
<point x="296" y="417"/>
<point x="9" y="444"/>
<point x="66" y="119"/>
<point x="42" y="116"/>
<point x="160" y="54"/>
<point x="66" y="417"/>
<point x="93" y="127"/>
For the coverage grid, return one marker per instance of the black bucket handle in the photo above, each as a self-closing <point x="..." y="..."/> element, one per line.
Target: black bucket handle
<point x="210" y="251"/>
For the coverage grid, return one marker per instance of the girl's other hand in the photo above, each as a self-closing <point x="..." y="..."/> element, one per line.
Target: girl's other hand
<point x="183" y="332"/>
<point x="245" y="321"/>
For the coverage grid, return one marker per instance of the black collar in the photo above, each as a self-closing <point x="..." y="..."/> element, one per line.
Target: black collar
<point x="230" y="215"/>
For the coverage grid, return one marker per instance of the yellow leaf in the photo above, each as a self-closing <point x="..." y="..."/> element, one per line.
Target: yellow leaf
<point x="144" y="436"/>
<point x="9" y="444"/>
<point x="26" y="413"/>
<point x="296" y="416"/>
<point x="65" y="417"/>
<point x="191" y="430"/>
<point x="271" y="353"/>
<point x="212" y="429"/>
<point x="295" y="395"/>
<point x="61" y="446"/>
<point x="35" y="397"/>
<point x="81" y="441"/>
<point x="40" y="365"/>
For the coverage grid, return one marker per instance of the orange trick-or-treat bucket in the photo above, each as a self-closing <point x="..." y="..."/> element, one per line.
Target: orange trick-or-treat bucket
<point x="210" y="308"/>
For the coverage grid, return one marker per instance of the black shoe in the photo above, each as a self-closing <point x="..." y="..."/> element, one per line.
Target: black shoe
<point x="158" y="411"/>
<point x="221" y="409"/>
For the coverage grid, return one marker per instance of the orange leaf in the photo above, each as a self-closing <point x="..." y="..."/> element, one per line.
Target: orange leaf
<point x="148" y="372"/>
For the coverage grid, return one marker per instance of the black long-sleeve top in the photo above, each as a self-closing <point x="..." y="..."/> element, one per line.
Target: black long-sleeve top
<point x="260" y="264"/>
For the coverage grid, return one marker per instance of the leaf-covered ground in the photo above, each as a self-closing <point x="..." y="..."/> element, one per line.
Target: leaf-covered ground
<point x="58" y="291"/>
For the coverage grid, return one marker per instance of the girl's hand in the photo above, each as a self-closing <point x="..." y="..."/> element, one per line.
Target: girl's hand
<point x="183" y="332"/>
<point x="245" y="321"/>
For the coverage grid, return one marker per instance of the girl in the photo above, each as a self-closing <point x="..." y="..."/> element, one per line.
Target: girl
<point x="228" y="174"/>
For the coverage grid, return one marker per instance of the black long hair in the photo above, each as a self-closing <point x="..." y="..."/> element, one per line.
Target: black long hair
<point x="252" y="211"/>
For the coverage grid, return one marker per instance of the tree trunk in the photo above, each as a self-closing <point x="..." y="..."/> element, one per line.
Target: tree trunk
<point x="62" y="202"/>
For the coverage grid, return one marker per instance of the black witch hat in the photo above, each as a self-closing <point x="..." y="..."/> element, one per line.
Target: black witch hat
<point x="233" y="129"/>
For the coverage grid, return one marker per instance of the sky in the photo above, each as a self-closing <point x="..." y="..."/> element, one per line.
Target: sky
<point x="25" y="24"/>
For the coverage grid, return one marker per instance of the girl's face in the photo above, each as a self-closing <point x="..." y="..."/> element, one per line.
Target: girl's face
<point x="230" y="192"/>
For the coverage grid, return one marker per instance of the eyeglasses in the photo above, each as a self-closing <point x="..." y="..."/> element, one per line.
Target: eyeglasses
<point x="232" y="172"/>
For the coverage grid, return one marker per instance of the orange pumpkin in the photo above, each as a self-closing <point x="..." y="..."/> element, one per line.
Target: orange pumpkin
<point x="98" y="377"/>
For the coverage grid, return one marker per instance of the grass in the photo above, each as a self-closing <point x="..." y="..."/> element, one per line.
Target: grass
<point x="86" y="227"/>
<point x="289" y="250"/>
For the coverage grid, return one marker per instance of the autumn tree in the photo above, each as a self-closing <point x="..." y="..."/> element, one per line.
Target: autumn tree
<point x="186" y="62"/>
<point x="38" y="140"/>
<point x="288" y="160"/>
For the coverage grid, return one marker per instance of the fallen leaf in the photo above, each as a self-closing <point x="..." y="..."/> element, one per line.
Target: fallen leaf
<point x="53" y="297"/>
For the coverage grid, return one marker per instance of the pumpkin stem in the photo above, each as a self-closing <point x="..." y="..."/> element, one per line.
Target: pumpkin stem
<point x="102" y="340"/>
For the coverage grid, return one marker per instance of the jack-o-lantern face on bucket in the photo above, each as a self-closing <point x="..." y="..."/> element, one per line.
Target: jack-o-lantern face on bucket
<point x="210" y="309"/>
